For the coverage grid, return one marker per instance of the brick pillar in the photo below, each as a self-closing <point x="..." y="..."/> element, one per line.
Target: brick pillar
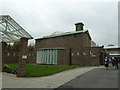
<point x="3" y="51"/>
<point x="22" y="57"/>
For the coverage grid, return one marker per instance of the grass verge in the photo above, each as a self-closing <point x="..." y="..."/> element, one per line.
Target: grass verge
<point x="33" y="70"/>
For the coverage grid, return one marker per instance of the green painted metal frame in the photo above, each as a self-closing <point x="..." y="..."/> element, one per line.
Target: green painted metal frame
<point x="10" y="30"/>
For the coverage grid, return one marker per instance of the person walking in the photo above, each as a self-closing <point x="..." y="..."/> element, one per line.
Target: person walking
<point x="110" y="61"/>
<point x="106" y="63"/>
<point x="114" y="65"/>
<point x="116" y="61"/>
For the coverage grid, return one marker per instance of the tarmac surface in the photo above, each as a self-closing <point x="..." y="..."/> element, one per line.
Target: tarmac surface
<point x="97" y="78"/>
<point x="53" y="81"/>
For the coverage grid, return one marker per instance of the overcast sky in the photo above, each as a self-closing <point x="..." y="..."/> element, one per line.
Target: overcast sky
<point x="43" y="17"/>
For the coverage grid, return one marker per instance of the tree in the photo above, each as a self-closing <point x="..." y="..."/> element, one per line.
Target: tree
<point x="15" y="46"/>
<point x="30" y="48"/>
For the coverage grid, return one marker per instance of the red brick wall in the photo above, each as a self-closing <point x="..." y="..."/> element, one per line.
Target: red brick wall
<point x="13" y="56"/>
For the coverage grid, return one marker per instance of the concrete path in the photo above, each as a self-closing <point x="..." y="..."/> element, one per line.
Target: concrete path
<point x="53" y="81"/>
<point x="97" y="78"/>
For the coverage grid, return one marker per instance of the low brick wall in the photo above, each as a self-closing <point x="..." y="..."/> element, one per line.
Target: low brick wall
<point x="13" y="56"/>
<point x="91" y="56"/>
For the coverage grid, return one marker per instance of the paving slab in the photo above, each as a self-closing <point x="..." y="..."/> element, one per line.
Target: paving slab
<point x="52" y="81"/>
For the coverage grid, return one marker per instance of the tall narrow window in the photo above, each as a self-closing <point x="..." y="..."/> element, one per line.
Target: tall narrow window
<point x="48" y="56"/>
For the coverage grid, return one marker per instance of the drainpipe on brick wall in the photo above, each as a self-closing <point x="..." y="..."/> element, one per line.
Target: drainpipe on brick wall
<point x="70" y="58"/>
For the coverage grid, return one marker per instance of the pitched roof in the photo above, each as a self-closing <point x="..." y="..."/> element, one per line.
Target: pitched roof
<point x="63" y="34"/>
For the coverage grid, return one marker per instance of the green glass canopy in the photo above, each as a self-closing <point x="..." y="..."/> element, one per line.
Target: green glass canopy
<point x="10" y="30"/>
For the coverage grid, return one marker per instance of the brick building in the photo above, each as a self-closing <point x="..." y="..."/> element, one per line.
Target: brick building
<point x="70" y="48"/>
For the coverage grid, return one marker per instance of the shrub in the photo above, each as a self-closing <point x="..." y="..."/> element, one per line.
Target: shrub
<point x="8" y="69"/>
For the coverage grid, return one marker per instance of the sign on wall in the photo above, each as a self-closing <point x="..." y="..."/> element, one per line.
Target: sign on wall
<point x="24" y="56"/>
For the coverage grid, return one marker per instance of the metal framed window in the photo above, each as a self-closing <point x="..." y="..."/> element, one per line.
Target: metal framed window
<point x="47" y="56"/>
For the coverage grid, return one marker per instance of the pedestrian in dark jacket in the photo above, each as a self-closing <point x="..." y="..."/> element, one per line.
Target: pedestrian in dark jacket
<point x="116" y="60"/>
<point x="114" y="63"/>
<point x="106" y="63"/>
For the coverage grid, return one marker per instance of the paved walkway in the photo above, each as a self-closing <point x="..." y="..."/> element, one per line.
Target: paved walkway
<point x="53" y="81"/>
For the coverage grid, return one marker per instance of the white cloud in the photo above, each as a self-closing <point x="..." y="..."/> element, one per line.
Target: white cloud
<point x="43" y="17"/>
